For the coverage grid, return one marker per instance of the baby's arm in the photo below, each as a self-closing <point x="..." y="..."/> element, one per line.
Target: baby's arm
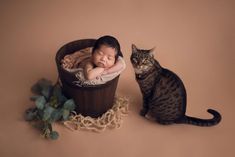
<point x="120" y="64"/>
<point x="91" y="72"/>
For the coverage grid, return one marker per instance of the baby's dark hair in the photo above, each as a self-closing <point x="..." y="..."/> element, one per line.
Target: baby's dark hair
<point x="110" y="42"/>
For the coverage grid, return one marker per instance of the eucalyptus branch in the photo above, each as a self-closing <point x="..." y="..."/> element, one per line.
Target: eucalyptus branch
<point x="50" y="106"/>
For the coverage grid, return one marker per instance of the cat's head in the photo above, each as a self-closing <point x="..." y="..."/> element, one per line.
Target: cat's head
<point x="142" y="60"/>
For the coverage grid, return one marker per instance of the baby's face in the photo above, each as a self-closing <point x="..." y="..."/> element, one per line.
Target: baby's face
<point x="104" y="56"/>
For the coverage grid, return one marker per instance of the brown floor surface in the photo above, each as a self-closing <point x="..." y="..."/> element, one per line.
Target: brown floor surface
<point x="193" y="38"/>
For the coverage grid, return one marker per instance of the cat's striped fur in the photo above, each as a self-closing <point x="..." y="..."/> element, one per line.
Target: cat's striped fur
<point x="164" y="94"/>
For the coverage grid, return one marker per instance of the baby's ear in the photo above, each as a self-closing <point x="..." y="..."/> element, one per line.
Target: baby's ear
<point x="151" y="51"/>
<point x="134" y="48"/>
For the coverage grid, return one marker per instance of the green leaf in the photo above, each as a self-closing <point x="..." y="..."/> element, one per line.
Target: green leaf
<point x="44" y="82"/>
<point x="56" y="115"/>
<point x="47" y="113"/>
<point x="46" y="91"/>
<point x="40" y="102"/>
<point x="30" y="114"/>
<point x="40" y="85"/>
<point x="53" y="101"/>
<point x="54" y="135"/>
<point x="62" y="99"/>
<point x="65" y="114"/>
<point x="39" y="114"/>
<point x="33" y="98"/>
<point x="57" y="92"/>
<point x="69" y="105"/>
<point x="36" y="89"/>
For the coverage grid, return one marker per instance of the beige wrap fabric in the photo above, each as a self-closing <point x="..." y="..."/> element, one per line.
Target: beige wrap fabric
<point x="73" y="63"/>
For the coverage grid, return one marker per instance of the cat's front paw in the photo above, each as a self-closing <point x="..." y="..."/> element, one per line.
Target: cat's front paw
<point x="143" y="112"/>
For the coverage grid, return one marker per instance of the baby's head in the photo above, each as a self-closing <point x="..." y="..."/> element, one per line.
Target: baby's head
<point x="106" y="51"/>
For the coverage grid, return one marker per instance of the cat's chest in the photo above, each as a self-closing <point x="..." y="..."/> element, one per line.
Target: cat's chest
<point x="147" y="83"/>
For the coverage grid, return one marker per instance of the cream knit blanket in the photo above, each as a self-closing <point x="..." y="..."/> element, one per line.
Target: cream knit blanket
<point x="71" y="63"/>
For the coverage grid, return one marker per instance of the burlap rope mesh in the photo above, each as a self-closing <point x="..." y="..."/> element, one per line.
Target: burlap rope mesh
<point x="111" y="119"/>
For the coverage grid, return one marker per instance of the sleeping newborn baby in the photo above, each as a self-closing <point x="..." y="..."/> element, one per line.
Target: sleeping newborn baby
<point x="105" y="59"/>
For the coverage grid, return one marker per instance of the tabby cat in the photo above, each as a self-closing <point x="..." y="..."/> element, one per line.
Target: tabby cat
<point x="164" y="94"/>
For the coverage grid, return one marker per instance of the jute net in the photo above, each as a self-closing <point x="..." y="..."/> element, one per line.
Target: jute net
<point x="111" y="119"/>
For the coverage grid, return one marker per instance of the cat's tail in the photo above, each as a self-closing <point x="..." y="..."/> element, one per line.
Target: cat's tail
<point x="202" y="122"/>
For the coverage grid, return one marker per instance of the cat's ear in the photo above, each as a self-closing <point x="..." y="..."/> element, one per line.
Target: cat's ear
<point x="134" y="48"/>
<point x="151" y="51"/>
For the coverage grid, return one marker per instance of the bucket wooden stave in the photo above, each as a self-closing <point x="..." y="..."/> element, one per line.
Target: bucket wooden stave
<point x="93" y="100"/>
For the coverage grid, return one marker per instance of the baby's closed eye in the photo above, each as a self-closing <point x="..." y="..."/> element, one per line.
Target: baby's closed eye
<point x="110" y="58"/>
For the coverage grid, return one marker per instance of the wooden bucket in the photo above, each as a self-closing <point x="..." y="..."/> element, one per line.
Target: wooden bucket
<point x="93" y="100"/>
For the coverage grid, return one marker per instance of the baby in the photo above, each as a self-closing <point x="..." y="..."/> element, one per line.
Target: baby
<point x="105" y="59"/>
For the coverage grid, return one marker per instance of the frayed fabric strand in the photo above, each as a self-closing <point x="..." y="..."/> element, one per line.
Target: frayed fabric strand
<point x="111" y="119"/>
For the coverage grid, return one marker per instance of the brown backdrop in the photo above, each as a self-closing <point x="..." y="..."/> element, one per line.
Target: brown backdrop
<point x="194" y="38"/>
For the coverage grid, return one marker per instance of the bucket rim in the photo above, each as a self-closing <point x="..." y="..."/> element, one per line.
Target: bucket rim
<point x="62" y="49"/>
